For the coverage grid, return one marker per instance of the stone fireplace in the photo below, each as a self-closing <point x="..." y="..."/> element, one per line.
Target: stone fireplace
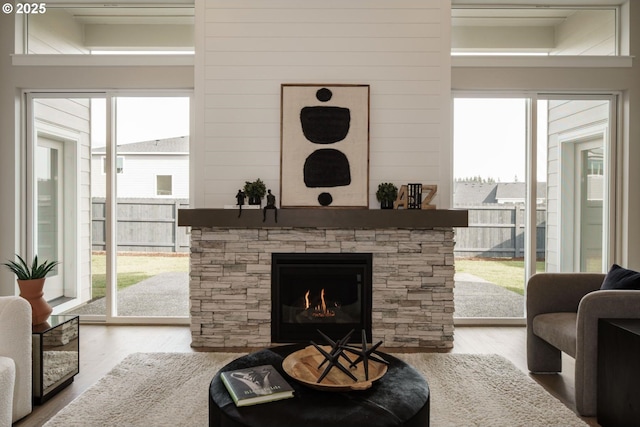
<point x="330" y="292"/>
<point x="412" y="268"/>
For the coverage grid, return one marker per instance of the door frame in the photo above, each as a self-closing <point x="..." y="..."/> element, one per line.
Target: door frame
<point x="571" y="143"/>
<point x="70" y="141"/>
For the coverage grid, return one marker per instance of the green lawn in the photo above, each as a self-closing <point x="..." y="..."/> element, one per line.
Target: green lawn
<point x="133" y="269"/>
<point x="508" y="273"/>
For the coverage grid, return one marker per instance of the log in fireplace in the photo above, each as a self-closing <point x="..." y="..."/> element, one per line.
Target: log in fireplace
<point x="330" y="292"/>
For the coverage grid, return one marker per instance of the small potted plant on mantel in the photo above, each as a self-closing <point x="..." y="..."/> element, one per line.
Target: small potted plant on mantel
<point x="255" y="191"/>
<point x="387" y="193"/>
<point x="31" y="282"/>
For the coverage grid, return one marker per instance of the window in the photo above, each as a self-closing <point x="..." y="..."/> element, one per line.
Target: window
<point x="119" y="164"/>
<point x="98" y="29"/>
<point x="164" y="185"/>
<point x="534" y="31"/>
<point x="99" y="225"/>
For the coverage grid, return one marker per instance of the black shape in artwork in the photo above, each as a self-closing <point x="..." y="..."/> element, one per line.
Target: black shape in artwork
<point x="325" y="125"/>
<point x="325" y="199"/>
<point x="324" y="95"/>
<point x="327" y="167"/>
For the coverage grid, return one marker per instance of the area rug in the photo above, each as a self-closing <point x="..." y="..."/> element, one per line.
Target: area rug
<point x="171" y="389"/>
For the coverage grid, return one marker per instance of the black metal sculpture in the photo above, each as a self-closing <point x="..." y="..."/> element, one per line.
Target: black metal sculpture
<point x="271" y="205"/>
<point x="240" y="201"/>
<point x="338" y="348"/>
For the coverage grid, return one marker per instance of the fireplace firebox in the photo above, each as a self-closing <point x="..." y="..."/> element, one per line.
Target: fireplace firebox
<point x="330" y="292"/>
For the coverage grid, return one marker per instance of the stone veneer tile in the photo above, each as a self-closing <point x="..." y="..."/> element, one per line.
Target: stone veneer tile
<point x="230" y="285"/>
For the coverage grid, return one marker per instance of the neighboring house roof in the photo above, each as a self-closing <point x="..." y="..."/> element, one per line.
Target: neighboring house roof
<point x="516" y="191"/>
<point x="177" y="145"/>
<point x="467" y="193"/>
<point x="473" y="193"/>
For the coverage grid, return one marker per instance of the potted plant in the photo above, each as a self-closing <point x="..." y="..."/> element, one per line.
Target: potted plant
<point x="387" y="193"/>
<point x="31" y="282"/>
<point x="255" y="191"/>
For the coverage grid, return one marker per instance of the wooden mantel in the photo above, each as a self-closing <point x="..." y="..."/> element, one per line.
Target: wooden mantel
<point x="339" y="218"/>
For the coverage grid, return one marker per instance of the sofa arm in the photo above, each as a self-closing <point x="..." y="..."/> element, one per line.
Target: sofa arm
<point x="606" y="304"/>
<point x="559" y="292"/>
<point x="15" y="343"/>
<point x="7" y="382"/>
<point x="614" y="304"/>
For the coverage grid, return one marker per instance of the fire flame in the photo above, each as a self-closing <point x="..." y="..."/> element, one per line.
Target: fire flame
<point x="320" y="310"/>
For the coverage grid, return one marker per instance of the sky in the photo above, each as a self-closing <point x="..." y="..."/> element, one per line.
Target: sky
<point x="490" y="139"/>
<point x="143" y="119"/>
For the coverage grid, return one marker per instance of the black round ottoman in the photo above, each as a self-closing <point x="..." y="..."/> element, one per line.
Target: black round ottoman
<point x="400" y="398"/>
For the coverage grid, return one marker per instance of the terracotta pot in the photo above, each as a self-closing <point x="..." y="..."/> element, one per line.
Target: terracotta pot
<point x="31" y="290"/>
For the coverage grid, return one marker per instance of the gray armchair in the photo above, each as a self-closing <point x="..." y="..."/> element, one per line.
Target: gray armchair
<point x="562" y="316"/>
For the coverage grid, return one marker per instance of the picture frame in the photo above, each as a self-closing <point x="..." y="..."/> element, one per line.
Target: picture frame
<point x="324" y="155"/>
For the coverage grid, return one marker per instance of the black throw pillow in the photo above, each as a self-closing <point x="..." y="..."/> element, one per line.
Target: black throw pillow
<point x="621" y="278"/>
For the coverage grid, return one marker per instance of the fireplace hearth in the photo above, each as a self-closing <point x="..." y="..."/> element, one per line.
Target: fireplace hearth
<point x="330" y="292"/>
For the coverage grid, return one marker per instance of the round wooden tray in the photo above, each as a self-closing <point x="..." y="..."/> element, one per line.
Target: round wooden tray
<point x="302" y="366"/>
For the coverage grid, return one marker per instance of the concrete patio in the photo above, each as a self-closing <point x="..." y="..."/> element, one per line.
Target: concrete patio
<point x="167" y="295"/>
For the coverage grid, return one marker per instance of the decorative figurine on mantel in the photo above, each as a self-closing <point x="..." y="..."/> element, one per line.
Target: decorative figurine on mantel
<point x="240" y="201"/>
<point x="271" y="205"/>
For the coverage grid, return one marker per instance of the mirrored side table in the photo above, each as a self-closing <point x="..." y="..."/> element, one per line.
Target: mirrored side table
<point x="56" y="355"/>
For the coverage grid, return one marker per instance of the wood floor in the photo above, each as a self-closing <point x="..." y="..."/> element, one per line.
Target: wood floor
<point x="102" y="347"/>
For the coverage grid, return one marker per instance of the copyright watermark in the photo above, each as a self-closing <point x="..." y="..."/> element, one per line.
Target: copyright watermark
<point x="24" y="8"/>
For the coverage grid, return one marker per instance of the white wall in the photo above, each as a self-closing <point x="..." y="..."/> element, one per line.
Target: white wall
<point x="400" y="48"/>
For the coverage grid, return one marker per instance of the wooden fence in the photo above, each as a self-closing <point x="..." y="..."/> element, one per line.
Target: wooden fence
<point x="151" y="225"/>
<point x="144" y="225"/>
<point x="497" y="231"/>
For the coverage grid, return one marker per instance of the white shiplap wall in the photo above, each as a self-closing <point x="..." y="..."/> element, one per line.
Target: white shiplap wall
<point x="250" y="47"/>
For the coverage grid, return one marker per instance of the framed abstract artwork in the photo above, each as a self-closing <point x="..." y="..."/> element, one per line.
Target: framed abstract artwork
<point x="324" y="157"/>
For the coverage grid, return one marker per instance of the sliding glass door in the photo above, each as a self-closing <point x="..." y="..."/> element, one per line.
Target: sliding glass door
<point x="536" y="173"/>
<point x="106" y="177"/>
